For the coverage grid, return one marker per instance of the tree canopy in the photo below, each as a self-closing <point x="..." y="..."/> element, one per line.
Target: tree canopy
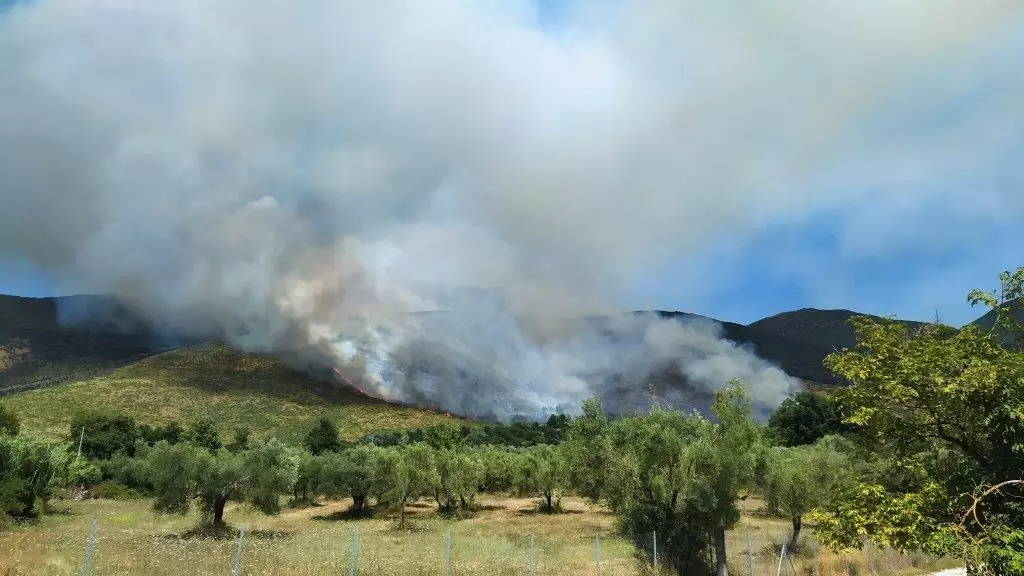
<point x="943" y="411"/>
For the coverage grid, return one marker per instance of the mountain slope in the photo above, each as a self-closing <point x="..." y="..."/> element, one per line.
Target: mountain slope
<point x="797" y="357"/>
<point x="216" y="382"/>
<point x="118" y="363"/>
<point x="827" y="329"/>
<point x="40" y="348"/>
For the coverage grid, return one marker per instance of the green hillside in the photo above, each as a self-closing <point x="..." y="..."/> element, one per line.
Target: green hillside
<point x="216" y="382"/>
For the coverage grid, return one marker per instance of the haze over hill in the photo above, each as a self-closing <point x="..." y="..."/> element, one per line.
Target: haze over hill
<point x="39" y="349"/>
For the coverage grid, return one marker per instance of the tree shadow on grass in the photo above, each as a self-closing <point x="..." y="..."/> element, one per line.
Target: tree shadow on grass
<point x="345" y="515"/>
<point x="225" y="532"/>
<point x="539" y="511"/>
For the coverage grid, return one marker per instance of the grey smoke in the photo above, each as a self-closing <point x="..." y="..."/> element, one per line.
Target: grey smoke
<point x="288" y="172"/>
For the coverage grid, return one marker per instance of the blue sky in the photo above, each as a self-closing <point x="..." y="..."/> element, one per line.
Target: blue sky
<point x="892" y="202"/>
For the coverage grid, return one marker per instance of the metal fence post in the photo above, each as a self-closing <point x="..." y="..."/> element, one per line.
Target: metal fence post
<point x="89" y="543"/>
<point x="597" y="554"/>
<point x="654" y="553"/>
<point x="750" y="554"/>
<point x="532" y="566"/>
<point x="448" y="554"/>
<point x="353" y="557"/>
<point x="237" y="571"/>
<point x="781" y="558"/>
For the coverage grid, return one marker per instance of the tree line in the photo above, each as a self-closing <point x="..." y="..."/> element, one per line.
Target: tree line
<point x="920" y="450"/>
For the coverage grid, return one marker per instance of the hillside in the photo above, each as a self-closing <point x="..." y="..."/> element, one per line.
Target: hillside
<point x="825" y="329"/>
<point x="213" y="381"/>
<point x="56" y="344"/>
<point x="40" y="348"/>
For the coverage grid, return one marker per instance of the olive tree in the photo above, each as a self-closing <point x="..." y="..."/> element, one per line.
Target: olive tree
<point x="183" y="473"/>
<point x="541" y="471"/>
<point x="802" y="479"/>
<point x="676" y="473"/>
<point x="349" y="474"/>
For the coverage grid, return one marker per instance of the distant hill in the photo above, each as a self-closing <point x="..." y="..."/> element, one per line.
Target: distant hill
<point x="988" y="320"/>
<point x="821" y="328"/>
<point x="39" y="348"/>
<point x="216" y="382"/>
<point x="124" y="362"/>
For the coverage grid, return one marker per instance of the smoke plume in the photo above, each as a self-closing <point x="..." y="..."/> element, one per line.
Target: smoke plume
<point x="436" y="196"/>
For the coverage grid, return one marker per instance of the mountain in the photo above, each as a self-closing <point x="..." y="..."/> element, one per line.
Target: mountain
<point x="46" y="342"/>
<point x="821" y="328"/>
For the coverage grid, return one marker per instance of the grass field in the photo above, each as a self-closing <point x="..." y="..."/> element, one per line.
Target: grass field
<point x="495" y="542"/>
<point x="213" y="381"/>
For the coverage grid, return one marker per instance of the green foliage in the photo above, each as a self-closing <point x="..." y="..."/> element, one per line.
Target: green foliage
<point x="307" y="479"/>
<point x="514" y="434"/>
<point x="460" y="473"/>
<point x="124" y="470"/>
<point x="113" y="490"/>
<point x="443" y="436"/>
<point x="271" y="468"/>
<point x="586" y="449"/>
<point x="499" y="468"/>
<point x="241" y="439"/>
<point x="804" y="418"/>
<point x="349" y="474"/>
<point x="541" y="472"/>
<point x="181" y="473"/>
<point x="105" y="433"/>
<point x="943" y="411"/>
<point x="322" y="438"/>
<point x="32" y="471"/>
<point x="668" y="471"/>
<point x="203" y="433"/>
<point x="9" y="422"/>
<point x="802" y="479"/>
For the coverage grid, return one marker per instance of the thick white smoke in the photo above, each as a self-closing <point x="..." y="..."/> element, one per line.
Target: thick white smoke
<point x="315" y="177"/>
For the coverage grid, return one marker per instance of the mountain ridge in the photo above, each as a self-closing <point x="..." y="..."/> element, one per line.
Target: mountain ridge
<point x="46" y="342"/>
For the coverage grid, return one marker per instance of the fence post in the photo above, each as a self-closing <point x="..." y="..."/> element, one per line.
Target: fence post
<point x="353" y="557"/>
<point x="89" y="543"/>
<point x="237" y="570"/>
<point x="597" y="554"/>
<point x="654" y="555"/>
<point x="81" y="437"/>
<point x="750" y="554"/>
<point x="781" y="558"/>
<point x="532" y="566"/>
<point x="448" y="554"/>
<point x="817" y="558"/>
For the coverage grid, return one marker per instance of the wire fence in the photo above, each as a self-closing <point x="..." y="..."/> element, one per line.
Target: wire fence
<point x="751" y="552"/>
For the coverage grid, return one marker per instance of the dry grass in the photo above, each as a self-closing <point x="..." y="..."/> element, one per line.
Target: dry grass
<point x="133" y="540"/>
<point x="215" y="382"/>
<point x="495" y="542"/>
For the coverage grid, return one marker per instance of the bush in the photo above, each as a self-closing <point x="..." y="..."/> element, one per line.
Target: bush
<point x="113" y="490"/>
<point x="126" y="471"/>
<point x="32" y="471"/>
<point x="9" y="423"/>
<point x="322" y="438"/>
<point x="104" y="434"/>
<point x="204" y="433"/>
